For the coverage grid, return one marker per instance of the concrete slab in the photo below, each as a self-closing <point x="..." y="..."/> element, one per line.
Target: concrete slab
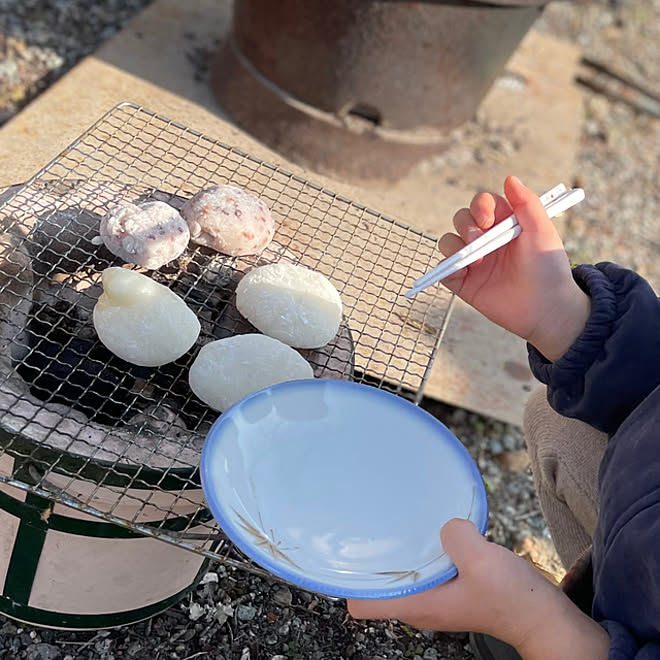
<point x="158" y="61"/>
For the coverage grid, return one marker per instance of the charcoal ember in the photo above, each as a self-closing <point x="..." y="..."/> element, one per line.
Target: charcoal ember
<point x="335" y="360"/>
<point x="15" y="270"/>
<point x="168" y="386"/>
<point x="79" y="290"/>
<point x="63" y="241"/>
<point x="64" y="368"/>
<point x="205" y="281"/>
<point x="158" y="418"/>
<point x="231" y="322"/>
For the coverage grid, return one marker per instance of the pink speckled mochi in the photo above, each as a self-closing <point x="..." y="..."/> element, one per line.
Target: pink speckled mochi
<point x="149" y="234"/>
<point x="230" y="220"/>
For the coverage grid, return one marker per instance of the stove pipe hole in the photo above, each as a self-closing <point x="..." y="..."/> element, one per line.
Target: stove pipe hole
<point x="367" y="113"/>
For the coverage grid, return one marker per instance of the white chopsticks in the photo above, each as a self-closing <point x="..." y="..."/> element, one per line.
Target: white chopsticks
<point x="555" y="201"/>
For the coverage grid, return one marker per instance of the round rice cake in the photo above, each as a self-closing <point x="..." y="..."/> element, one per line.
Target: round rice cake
<point x="141" y="321"/>
<point x="335" y="360"/>
<point x="227" y="370"/>
<point x="230" y="220"/>
<point x="150" y="234"/>
<point x="292" y="303"/>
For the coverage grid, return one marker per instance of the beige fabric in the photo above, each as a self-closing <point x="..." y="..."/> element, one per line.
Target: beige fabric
<point x="565" y="455"/>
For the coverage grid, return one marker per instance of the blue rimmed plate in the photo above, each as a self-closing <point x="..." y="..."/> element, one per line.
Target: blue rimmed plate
<point x="340" y="488"/>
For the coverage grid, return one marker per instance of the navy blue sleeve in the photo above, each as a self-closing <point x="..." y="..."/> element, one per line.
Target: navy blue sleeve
<point x="626" y="548"/>
<point x="615" y="363"/>
<point x="610" y="379"/>
<point x="624" y="647"/>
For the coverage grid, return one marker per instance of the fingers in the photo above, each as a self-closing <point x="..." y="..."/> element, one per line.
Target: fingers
<point x="527" y="206"/>
<point x="427" y="609"/>
<point x="466" y="226"/>
<point x="462" y="541"/>
<point x="488" y="208"/>
<point x="370" y="609"/>
<point x="450" y="244"/>
<point x="485" y="209"/>
<point x="407" y="608"/>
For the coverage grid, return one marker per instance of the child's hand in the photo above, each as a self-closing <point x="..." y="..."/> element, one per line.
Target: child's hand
<point x="492" y="586"/>
<point x="497" y="593"/>
<point x="526" y="286"/>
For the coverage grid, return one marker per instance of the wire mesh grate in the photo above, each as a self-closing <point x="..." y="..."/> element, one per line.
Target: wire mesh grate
<point x="122" y="443"/>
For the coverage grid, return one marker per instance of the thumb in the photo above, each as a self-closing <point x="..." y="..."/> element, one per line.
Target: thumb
<point x="526" y="205"/>
<point x="462" y="541"/>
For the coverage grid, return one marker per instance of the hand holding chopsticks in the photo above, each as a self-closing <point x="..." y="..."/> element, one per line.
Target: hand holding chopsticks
<point x="556" y="201"/>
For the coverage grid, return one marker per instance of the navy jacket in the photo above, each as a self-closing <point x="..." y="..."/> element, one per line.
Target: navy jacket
<point x="610" y="378"/>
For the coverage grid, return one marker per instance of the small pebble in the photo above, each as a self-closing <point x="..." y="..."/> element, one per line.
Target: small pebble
<point x="283" y="596"/>
<point x="495" y="446"/>
<point x="246" y="612"/>
<point x="509" y="442"/>
<point x="43" y="652"/>
<point x="196" y="611"/>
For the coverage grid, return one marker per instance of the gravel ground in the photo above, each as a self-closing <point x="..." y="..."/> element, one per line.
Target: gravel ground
<point x="237" y="616"/>
<point x="618" y="162"/>
<point x="42" y="39"/>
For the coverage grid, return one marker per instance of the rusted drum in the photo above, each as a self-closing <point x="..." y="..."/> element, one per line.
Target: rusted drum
<point x="363" y="86"/>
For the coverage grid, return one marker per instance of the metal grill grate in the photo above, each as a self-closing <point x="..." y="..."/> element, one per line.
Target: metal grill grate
<point x="86" y="430"/>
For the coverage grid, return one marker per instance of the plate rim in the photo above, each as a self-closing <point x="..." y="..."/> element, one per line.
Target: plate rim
<point x="298" y="579"/>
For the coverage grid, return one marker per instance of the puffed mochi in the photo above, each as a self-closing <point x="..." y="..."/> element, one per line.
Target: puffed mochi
<point x="141" y="321"/>
<point x="227" y="370"/>
<point x="292" y="303"/>
<point x="229" y="219"/>
<point x="150" y="234"/>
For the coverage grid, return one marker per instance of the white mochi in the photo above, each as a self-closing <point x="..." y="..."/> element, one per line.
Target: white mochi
<point x="227" y="370"/>
<point x="141" y="321"/>
<point x="291" y="303"/>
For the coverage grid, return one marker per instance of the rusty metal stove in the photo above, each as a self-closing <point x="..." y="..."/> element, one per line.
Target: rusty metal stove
<point x="363" y="87"/>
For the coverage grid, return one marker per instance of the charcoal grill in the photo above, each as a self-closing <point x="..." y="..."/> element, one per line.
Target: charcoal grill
<point x="80" y="428"/>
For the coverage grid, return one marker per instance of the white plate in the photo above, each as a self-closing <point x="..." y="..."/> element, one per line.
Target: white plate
<point x="340" y="488"/>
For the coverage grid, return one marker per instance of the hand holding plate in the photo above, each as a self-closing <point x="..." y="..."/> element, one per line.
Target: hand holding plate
<point x="495" y="592"/>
